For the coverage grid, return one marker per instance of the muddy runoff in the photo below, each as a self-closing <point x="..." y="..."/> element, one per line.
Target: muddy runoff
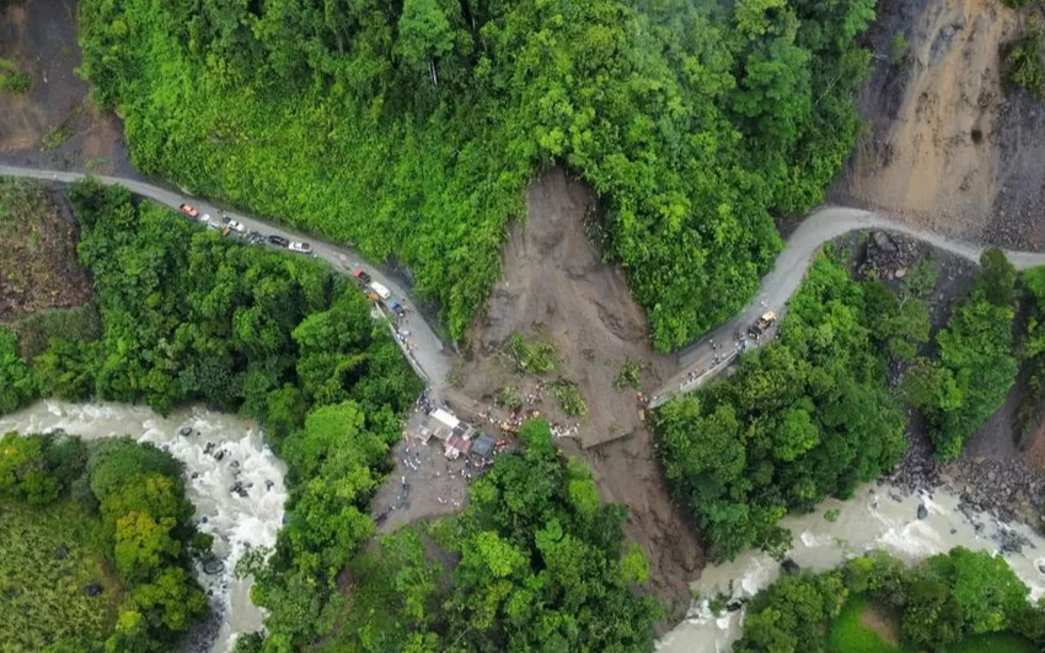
<point x="911" y="527"/>
<point x="233" y="479"/>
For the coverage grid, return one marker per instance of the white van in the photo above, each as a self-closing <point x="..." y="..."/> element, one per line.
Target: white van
<point x="382" y="291"/>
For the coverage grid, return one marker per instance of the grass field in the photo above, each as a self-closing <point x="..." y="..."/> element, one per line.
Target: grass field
<point x="42" y="598"/>
<point x="850" y="634"/>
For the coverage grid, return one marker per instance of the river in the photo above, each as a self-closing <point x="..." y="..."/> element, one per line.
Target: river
<point x="237" y="520"/>
<point x="877" y="517"/>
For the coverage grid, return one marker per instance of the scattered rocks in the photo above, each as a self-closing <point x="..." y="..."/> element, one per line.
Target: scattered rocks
<point x="735" y="605"/>
<point x="1009" y="541"/>
<point x="239" y="488"/>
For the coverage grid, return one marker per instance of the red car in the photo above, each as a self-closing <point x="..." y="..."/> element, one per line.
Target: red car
<point x="189" y="211"/>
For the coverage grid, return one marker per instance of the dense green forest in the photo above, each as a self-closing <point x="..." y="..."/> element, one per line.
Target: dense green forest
<point x="538" y="565"/>
<point x="115" y="516"/>
<point x="807" y="416"/>
<point x="188" y="316"/>
<point x="412" y="127"/>
<point x="961" y="596"/>
<point x="975" y="364"/>
<point x="813" y="413"/>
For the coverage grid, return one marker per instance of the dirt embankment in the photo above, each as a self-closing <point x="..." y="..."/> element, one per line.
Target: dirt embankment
<point x="946" y="148"/>
<point x="555" y="282"/>
<point x="38" y="264"/>
<point x="54" y="124"/>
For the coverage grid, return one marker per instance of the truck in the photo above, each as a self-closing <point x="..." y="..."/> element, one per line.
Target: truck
<point x="762" y="324"/>
<point x="382" y="291"/>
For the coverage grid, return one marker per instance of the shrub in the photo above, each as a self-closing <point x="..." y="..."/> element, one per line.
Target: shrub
<point x="531" y="355"/>
<point x="1025" y="65"/>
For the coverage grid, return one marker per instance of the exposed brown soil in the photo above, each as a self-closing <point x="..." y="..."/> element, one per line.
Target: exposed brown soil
<point x="553" y="282"/>
<point x="40" y="37"/>
<point x="946" y="147"/>
<point x="882" y="623"/>
<point x="554" y="277"/>
<point x="38" y="264"/>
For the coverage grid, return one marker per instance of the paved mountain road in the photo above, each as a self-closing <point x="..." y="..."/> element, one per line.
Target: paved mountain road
<point x="776" y="288"/>
<point x="790" y="268"/>
<point x="430" y="355"/>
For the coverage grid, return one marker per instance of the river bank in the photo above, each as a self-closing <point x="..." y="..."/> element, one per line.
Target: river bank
<point x="911" y="526"/>
<point x="234" y="480"/>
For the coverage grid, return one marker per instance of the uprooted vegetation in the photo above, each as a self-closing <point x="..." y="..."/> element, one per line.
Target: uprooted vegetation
<point x="534" y="355"/>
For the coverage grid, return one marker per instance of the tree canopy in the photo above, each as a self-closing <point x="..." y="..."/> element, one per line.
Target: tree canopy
<point x="412" y="127"/>
<point x="807" y="416"/>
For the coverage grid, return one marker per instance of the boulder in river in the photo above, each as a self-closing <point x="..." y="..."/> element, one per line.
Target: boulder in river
<point x="789" y="566"/>
<point x="213" y="566"/>
<point x="923" y="512"/>
<point x="185" y="431"/>
<point x="93" y="589"/>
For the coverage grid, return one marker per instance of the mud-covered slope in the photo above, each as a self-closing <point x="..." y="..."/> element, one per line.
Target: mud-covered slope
<point x="945" y="147"/>
<point x="553" y="281"/>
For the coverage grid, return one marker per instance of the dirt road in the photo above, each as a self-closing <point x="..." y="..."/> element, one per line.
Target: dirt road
<point x="777" y="286"/>
<point x="430" y="356"/>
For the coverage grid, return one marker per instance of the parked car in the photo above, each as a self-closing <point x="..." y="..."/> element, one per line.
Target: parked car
<point x="300" y="248"/>
<point x="235" y="226"/>
<point x="361" y="276"/>
<point x="397" y="308"/>
<point x="211" y="222"/>
<point x="278" y="241"/>
<point x="254" y="237"/>
<point x="189" y="211"/>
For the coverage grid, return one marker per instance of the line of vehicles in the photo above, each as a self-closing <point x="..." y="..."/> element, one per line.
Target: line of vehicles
<point x="375" y="289"/>
<point x="378" y="291"/>
<point x="226" y="225"/>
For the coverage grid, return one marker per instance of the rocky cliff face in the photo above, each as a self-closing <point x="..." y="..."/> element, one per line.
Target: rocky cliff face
<point x="945" y="146"/>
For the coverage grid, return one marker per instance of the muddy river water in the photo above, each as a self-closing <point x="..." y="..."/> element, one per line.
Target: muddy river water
<point x="877" y="517"/>
<point x="236" y="485"/>
<point x="222" y="453"/>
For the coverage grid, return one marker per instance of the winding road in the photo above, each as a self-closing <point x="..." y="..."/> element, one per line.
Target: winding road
<point x="431" y="358"/>
<point x="788" y="271"/>
<point x="434" y="359"/>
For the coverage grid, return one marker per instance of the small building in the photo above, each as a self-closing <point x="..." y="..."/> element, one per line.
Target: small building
<point x="456" y="446"/>
<point x="442" y="423"/>
<point x="483" y="446"/>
